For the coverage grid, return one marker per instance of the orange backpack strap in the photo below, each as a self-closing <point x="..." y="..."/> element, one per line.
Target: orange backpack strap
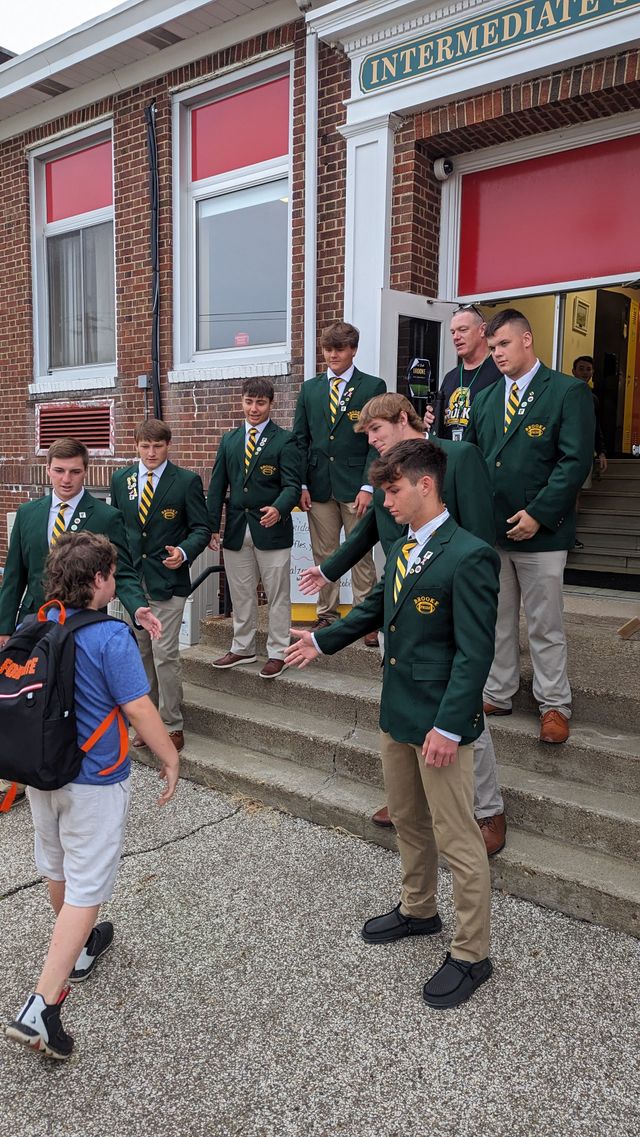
<point x="101" y="729"/>
<point x="9" y="798"/>
<point x="42" y="612"/>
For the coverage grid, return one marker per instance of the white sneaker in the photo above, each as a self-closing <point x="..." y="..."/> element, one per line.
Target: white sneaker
<point x="99" y="941"/>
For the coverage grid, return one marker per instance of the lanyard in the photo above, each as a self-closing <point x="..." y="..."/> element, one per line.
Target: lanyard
<point x="475" y="376"/>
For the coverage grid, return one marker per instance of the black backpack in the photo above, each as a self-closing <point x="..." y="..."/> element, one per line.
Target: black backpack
<point x="38" y="732"/>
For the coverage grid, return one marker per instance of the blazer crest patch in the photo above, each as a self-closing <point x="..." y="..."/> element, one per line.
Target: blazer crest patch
<point x="535" y="430"/>
<point x="353" y="415"/>
<point x="268" y="471"/>
<point x="425" y="605"/>
<point x="169" y="514"/>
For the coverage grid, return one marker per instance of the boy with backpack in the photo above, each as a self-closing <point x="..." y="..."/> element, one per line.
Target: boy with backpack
<point x="80" y="820"/>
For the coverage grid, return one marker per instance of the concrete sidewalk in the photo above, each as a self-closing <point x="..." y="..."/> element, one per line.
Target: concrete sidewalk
<point x="239" y="998"/>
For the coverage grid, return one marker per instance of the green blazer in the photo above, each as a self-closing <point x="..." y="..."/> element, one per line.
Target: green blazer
<point x="273" y="478"/>
<point x="466" y="493"/>
<point x="542" y="460"/>
<point x="28" y="549"/>
<point x="335" y="459"/>
<point x="178" y="516"/>
<point x="438" y="636"/>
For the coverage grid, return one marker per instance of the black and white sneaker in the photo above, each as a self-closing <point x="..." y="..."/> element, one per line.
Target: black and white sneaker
<point x="99" y="941"/>
<point x="38" y="1025"/>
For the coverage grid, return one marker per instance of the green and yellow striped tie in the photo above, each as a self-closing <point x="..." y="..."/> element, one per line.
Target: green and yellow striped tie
<point x="401" y="567"/>
<point x="147" y="498"/>
<point x="334" y="398"/>
<point x="250" y="446"/>
<point x="59" y="525"/>
<point x="512" y="406"/>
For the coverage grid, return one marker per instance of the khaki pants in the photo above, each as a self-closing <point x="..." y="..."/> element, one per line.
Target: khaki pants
<point x="536" y="580"/>
<point x="432" y="810"/>
<point x="161" y="660"/>
<point x="326" y="519"/>
<point x="244" y="568"/>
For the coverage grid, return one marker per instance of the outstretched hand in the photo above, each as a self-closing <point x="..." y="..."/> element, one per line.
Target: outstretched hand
<point x="302" y="653"/>
<point x="311" y="581"/>
<point x="151" y="624"/>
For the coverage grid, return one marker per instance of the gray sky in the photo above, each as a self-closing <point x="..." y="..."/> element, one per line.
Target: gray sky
<point x="26" y="23"/>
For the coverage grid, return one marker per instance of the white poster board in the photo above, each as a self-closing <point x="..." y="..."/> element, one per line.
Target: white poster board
<point x="302" y="558"/>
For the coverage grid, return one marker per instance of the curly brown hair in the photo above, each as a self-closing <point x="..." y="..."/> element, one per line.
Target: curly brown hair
<point x="71" y="567"/>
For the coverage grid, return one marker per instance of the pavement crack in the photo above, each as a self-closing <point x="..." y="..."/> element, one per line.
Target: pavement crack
<point x="21" y="888"/>
<point x="182" y="836"/>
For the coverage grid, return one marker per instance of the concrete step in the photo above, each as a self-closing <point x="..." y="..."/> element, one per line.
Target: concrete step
<point x="586" y="816"/>
<point x="594" y="755"/>
<point x="618" y="542"/>
<point x="604" y="562"/>
<point x="540" y="800"/>
<point x="584" y="883"/>
<point x="620" y="517"/>
<point x="603" y="497"/>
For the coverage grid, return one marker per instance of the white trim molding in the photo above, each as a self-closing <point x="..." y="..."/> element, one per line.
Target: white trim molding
<point x="237" y="370"/>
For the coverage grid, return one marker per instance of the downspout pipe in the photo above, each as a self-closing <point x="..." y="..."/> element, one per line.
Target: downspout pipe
<point x="152" y="153"/>
<point x="310" y="202"/>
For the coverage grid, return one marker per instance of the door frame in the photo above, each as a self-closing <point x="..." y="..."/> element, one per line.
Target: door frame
<point x="393" y="305"/>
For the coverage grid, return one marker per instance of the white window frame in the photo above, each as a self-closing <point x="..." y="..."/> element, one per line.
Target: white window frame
<point x="533" y="146"/>
<point x="72" y="379"/>
<point x="227" y="363"/>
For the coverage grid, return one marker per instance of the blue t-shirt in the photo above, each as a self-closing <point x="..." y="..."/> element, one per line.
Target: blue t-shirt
<point x="109" y="672"/>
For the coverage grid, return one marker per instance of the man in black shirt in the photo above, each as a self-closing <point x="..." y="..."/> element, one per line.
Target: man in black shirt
<point x="475" y="371"/>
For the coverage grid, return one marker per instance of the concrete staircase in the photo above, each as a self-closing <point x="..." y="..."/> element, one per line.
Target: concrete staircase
<point x="307" y="743"/>
<point x="609" y="521"/>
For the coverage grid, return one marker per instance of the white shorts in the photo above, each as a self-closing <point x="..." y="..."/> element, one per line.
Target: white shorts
<point x="79" y="835"/>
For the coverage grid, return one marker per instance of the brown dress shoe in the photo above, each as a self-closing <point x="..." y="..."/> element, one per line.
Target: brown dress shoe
<point x="371" y="639"/>
<point x="489" y="709"/>
<point x="382" y="818"/>
<point x="554" y="727"/>
<point x="321" y="623"/>
<point x="177" y="737"/>
<point x="273" y="668"/>
<point x="233" y="660"/>
<point x="137" y="741"/>
<point x="493" y="831"/>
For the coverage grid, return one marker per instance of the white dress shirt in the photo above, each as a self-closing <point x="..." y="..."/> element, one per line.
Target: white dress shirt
<point x="156" y="475"/>
<point x="259" y="427"/>
<point x="56" y="502"/>
<point x="523" y="382"/>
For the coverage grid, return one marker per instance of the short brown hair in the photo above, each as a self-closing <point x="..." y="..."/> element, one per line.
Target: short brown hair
<point x="153" y="430"/>
<point x="507" y="316"/>
<point x="259" y="389"/>
<point x="340" y="334"/>
<point x="389" y="407"/>
<point x="68" y="448"/>
<point x="410" y="459"/>
<point x="72" y="564"/>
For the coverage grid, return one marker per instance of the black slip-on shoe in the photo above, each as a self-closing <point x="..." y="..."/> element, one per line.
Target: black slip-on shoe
<point x="455" y="981"/>
<point x="100" y="940"/>
<point x="394" y="926"/>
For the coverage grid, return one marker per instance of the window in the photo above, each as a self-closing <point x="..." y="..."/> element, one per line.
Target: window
<point x="74" y="277"/>
<point x="232" y="259"/>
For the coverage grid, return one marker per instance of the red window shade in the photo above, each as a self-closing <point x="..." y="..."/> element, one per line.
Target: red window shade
<point x="80" y="182"/>
<point x="249" y="127"/>
<point x="563" y="217"/>
<point x="89" y="424"/>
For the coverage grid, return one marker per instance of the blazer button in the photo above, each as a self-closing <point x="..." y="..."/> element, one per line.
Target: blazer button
<point x="246" y="490"/>
<point x="392" y="661"/>
<point x="498" y="463"/>
<point x="144" y="556"/>
<point x="331" y="459"/>
<point x="331" y="437"/>
<point x="392" y="627"/>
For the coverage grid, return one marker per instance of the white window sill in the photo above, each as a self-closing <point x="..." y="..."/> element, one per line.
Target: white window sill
<point x="237" y="370"/>
<point x="50" y="384"/>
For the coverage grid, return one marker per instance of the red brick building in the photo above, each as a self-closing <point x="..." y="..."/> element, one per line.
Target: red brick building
<point x="188" y="192"/>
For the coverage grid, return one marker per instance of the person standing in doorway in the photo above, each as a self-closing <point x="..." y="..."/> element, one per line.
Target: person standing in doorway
<point x="474" y="372"/>
<point x="583" y="369"/>
<point x="536" y="431"/>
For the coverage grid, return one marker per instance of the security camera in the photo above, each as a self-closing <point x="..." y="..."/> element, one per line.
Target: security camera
<point x="443" y="168"/>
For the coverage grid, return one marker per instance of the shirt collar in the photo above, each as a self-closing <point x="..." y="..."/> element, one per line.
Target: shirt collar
<point x="426" y="531"/>
<point x="260" y="427"/>
<point x="73" y="502"/>
<point x="346" y="375"/>
<point x="524" y="380"/>
<point x="157" y="473"/>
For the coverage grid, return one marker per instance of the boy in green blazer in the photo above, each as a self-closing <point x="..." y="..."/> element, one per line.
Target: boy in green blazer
<point x="437" y="604"/>
<point x="335" y="491"/>
<point x="387" y="420"/>
<point x="259" y="464"/>
<point x="536" y="431"/>
<point x="166" y="518"/>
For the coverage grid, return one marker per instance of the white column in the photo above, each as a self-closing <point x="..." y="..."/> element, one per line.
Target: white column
<point x="368" y="229"/>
